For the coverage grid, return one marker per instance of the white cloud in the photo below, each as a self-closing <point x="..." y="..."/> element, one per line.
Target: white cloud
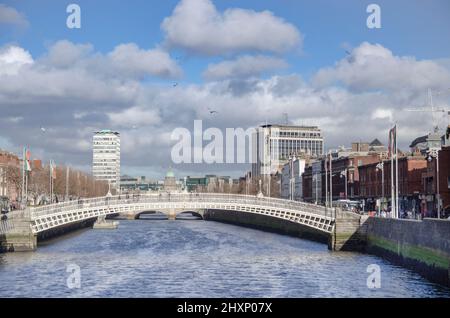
<point x="66" y="54"/>
<point x="74" y="99"/>
<point x="134" y="117"/>
<point x="9" y="15"/>
<point x="197" y="26"/>
<point x="12" y="59"/>
<point x="374" y="67"/>
<point x="130" y="60"/>
<point x="244" y="66"/>
<point x="124" y="61"/>
<point x="381" y="113"/>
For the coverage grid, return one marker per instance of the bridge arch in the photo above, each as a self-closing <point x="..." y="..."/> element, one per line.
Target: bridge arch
<point x="55" y="215"/>
<point x="165" y="212"/>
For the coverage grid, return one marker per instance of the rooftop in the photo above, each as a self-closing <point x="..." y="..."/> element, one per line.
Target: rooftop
<point x="290" y="127"/>
<point x="106" y="131"/>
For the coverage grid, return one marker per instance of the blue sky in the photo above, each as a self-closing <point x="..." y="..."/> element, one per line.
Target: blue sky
<point x="250" y="60"/>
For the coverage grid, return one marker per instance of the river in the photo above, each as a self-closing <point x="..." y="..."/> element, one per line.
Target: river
<point x="150" y="258"/>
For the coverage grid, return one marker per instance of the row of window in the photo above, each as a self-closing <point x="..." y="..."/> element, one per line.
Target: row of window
<point x="296" y="134"/>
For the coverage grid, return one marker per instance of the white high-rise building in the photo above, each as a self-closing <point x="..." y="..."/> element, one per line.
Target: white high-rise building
<point x="274" y="144"/>
<point x="106" y="157"/>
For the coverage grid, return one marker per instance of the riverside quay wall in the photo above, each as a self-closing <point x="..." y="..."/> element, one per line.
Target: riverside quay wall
<point x="266" y="223"/>
<point x="422" y="246"/>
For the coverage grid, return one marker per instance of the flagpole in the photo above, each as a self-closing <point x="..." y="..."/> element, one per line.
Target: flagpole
<point x="23" y="176"/>
<point x="331" y="181"/>
<point x="326" y="180"/>
<point x="67" y="183"/>
<point x="50" y="183"/>
<point x="396" y="174"/>
<point x="391" y="142"/>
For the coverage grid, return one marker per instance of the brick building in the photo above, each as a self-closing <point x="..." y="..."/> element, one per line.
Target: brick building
<point x="345" y="169"/>
<point x="429" y="183"/>
<point x="410" y="170"/>
<point x="9" y="175"/>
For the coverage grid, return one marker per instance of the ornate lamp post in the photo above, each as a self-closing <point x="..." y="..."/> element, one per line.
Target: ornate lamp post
<point x="344" y="174"/>
<point x="380" y="166"/>
<point x="434" y="153"/>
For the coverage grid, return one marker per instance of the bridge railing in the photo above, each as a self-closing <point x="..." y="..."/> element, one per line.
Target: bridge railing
<point x="179" y="197"/>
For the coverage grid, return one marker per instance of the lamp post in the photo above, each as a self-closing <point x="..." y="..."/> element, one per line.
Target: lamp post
<point x="317" y="189"/>
<point x="331" y="181"/>
<point x="434" y="153"/>
<point x="344" y="174"/>
<point x="380" y="166"/>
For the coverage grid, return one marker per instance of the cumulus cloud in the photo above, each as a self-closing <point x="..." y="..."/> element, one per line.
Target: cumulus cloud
<point x="129" y="59"/>
<point x="374" y="67"/>
<point x="12" y="59"/>
<point x="11" y="16"/>
<point x="124" y="61"/>
<point x="73" y="95"/>
<point x="134" y="117"/>
<point x="66" y="54"/>
<point x="197" y="26"/>
<point x="244" y="66"/>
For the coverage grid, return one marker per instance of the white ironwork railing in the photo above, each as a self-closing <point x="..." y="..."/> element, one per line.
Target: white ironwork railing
<point x="37" y="212"/>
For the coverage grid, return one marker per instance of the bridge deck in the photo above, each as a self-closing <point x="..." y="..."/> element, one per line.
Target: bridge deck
<point x="54" y="215"/>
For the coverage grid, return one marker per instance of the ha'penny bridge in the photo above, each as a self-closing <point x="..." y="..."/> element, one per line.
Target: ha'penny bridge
<point x="24" y="228"/>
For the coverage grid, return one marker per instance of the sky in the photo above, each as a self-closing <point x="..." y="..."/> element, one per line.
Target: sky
<point x="145" y="68"/>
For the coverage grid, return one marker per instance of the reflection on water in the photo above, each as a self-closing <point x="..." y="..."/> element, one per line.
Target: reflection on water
<point x="159" y="258"/>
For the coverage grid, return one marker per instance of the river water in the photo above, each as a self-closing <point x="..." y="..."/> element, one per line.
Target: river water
<point x="149" y="258"/>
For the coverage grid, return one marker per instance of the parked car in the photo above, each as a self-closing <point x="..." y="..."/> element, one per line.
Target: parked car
<point x="4" y="204"/>
<point x="348" y="205"/>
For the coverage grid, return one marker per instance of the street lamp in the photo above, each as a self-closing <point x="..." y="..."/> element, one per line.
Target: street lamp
<point x="380" y="166"/>
<point x="434" y="153"/>
<point x="344" y="174"/>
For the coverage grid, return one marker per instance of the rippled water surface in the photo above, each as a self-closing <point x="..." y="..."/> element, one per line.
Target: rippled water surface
<point x="149" y="258"/>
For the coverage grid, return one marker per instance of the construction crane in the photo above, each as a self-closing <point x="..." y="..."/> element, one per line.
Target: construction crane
<point x="432" y="109"/>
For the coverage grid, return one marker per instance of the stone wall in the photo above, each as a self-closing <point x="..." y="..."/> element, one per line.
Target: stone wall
<point x="423" y="246"/>
<point x="266" y="223"/>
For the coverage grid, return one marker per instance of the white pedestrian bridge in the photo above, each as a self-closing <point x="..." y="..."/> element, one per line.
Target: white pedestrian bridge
<point x="52" y="216"/>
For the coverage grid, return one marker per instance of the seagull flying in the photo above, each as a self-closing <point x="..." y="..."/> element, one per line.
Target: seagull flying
<point x="211" y="111"/>
<point x="43" y="129"/>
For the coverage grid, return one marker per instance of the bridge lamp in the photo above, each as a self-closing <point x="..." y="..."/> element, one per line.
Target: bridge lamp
<point x="434" y="153"/>
<point x="344" y="175"/>
<point x="379" y="167"/>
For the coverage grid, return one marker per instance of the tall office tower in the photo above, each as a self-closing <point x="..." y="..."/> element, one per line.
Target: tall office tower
<point x="272" y="145"/>
<point x="106" y="157"/>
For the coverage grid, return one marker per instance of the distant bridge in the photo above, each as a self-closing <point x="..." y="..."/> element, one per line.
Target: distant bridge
<point x="36" y="220"/>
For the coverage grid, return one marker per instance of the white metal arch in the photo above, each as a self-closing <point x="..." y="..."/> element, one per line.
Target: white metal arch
<point x="51" y="216"/>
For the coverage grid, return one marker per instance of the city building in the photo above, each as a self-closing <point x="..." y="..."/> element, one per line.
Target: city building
<point x="10" y="175"/>
<point x="170" y="182"/>
<point x="106" y="157"/>
<point x="375" y="181"/>
<point x="142" y="184"/>
<point x="430" y="179"/>
<point x="346" y="178"/>
<point x="196" y="184"/>
<point x="291" y="179"/>
<point x="272" y="145"/>
<point x="361" y="149"/>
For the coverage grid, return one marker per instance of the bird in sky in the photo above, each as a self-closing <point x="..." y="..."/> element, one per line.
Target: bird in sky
<point x="211" y="111"/>
<point x="175" y="84"/>
<point x="43" y="129"/>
